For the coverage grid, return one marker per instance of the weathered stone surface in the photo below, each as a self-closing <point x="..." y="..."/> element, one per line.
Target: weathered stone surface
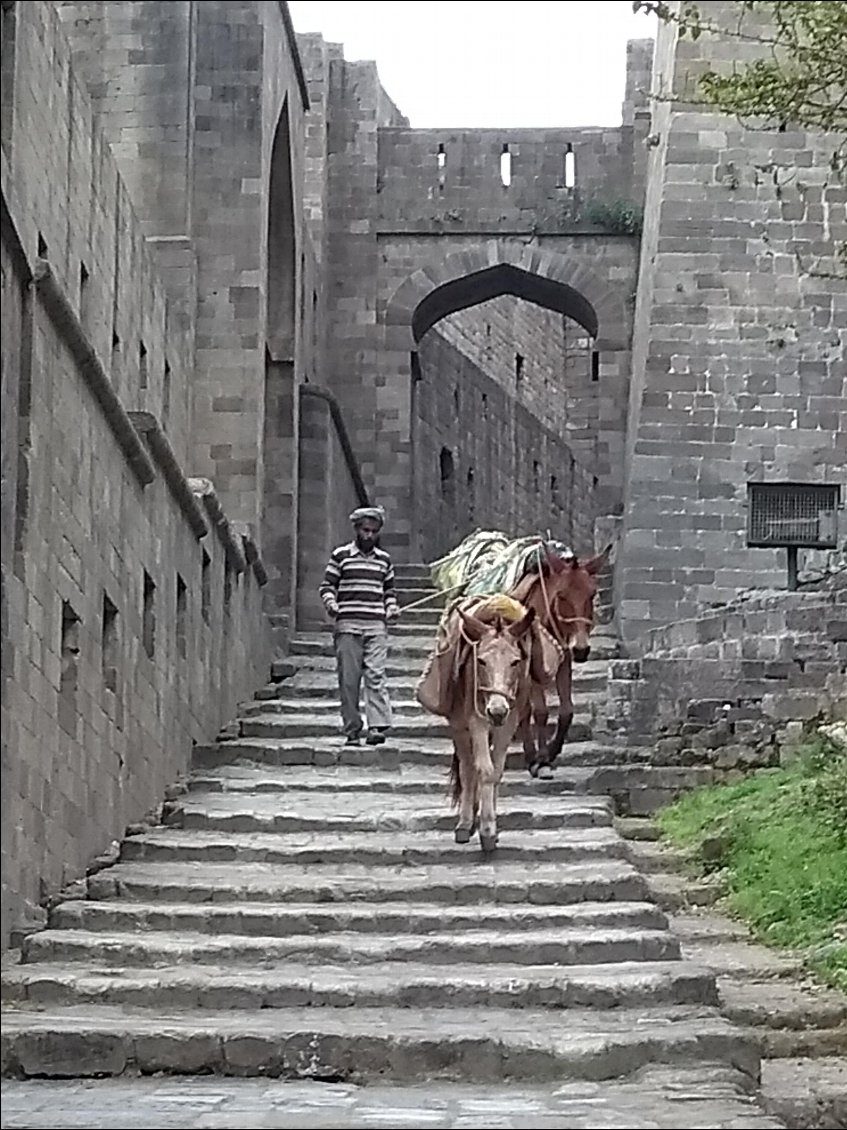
<point x="662" y="1099"/>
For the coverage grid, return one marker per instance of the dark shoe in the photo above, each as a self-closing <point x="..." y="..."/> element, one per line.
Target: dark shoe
<point x="353" y="739"/>
<point x="376" y="737"/>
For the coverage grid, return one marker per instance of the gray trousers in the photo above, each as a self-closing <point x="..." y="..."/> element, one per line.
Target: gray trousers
<point x="359" y="657"/>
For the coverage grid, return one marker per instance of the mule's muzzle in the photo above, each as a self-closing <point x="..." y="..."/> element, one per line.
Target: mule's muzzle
<point x="580" y="654"/>
<point x="497" y="709"/>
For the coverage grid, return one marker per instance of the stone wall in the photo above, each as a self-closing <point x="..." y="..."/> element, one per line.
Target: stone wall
<point x="732" y="686"/>
<point x="485" y="460"/>
<point x="132" y="620"/>
<point x="740" y="347"/>
<point x="400" y="219"/>
<point x="541" y="358"/>
<point x="330" y="489"/>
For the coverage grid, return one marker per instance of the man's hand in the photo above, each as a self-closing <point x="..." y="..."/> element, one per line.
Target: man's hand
<point x="332" y="609"/>
<point x="392" y="615"/>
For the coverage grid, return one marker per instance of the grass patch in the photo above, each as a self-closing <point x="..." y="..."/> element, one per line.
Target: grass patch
<point x="779" y="840"/>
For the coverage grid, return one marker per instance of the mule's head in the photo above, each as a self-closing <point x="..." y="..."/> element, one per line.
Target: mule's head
<point x="501" y="655"/>
<point x="571" y="593"/>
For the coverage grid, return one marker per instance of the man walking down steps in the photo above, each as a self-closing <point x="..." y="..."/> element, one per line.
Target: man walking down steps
<point x="358" y="594"/>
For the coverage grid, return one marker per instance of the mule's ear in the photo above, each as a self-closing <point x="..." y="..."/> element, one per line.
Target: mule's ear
<point x="519" y="629"/>
<point x="597" y="563"/>
<point x="474" y="629"/>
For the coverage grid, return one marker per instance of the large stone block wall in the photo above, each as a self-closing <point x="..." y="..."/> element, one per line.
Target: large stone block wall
<point x="328" y="495"/>
<point x="391" y="226"/>
<point x="132" y="621"/>
<point x="734" y="685"/>
<point x="416" y="189"/>
<point x="740" y="347"/>
<point x="485" y="460"/>
<point x="540" y="358"/>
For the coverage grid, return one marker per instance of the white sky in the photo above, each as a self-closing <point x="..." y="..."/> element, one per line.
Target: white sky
<point x="480" y="64"/>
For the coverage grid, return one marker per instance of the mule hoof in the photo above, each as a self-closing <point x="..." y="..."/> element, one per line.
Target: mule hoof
<point x="463" y="835"/>
<point x="545" y="773"/>
<point x="533" y="769"/>
<point x="487" y="843"/>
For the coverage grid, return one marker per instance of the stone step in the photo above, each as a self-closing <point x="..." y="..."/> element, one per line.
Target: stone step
<point x="372" y="848"/>
<point x="587" y="677"/>
<point x="278" y="920"/>
<point x="661" y="1098"/>
<point x="790" y="1019"/>
<point x="398" y="779"/>
<point x="410" y="593"/>
<point x="390" y="985"/>
<point x="552" y="946"/>
<point x="364" y="812"/>
<point x="489" y="1044"/>
<point x="578" y="756"/>
<point x="289" y="703"/>
<point x="741" y="958"/>
<point x="417" y="647"/>
<point x="806" y="1094"/>
<point x="303" y="725"/>
<point x="536" y="884"/>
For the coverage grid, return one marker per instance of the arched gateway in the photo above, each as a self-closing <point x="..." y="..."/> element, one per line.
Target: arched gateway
<point x="458" y="280"/>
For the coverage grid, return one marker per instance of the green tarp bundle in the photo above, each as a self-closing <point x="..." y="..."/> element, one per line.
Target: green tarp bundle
<point x="489" y="562"/>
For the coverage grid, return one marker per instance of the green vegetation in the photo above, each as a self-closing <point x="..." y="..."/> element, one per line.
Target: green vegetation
<point x="779" y="841"/>
<point x="800" y="79"/>
<point x="621" y="217"/>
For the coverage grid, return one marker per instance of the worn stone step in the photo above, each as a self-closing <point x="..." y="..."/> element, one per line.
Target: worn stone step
<point x="284" y="919"/>
<point x="707" y="926"/>
<point x="319" y="690"/>
<point x="678" y="892"/>
<point x="399" y="779"/>
<point x="806" y="1094"/>
<point x="790" y="1018"/>
<point x="327" y="707"/>
<point x="488" y="1044"/>
<point x="741" y="958"/>
<point x="320" y="645"/>
<point x="552" y="946"/>
<point x="390" y="985"/>
<point x="302" y="725"/>
<point x="483" y="883"/>
<point x="433" y="753"/>
<point x="660" y="1098"/>
<point x="364" y="812"/>
<point x="372" y="848"/>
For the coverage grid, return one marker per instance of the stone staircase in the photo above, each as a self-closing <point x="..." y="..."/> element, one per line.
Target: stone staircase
<point x="301" y="911"/>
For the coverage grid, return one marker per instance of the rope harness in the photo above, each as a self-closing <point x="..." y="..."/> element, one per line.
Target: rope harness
<point x="478" y="688"/>
<point x="551" y="620"/>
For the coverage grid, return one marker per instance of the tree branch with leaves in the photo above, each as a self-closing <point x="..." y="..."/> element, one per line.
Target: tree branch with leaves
<point x="799" y="78"/>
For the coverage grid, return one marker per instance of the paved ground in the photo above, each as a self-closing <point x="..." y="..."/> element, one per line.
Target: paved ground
<point x="660" y="1100"/>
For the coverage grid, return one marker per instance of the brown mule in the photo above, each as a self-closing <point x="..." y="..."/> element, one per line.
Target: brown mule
<point x="562" y="597"/>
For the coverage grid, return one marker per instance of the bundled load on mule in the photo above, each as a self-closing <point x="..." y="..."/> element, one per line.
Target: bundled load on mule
<point x="499" y="579"/>
<point x="489" y="562"/>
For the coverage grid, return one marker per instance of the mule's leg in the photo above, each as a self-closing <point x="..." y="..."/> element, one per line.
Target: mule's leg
<point x="530" y="755"/>
<point x="564" y="683"/>
<point x="485" y="780"/>
<point x="467" y="780"/>
<point x="501" y="740"/>
<point x="537" y="726"/>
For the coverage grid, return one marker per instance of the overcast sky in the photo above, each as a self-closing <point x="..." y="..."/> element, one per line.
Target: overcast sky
<point x="480" y="64"/>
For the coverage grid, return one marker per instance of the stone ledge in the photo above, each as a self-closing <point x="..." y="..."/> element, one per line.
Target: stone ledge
<point x="146" y="424"/>
<point x="70" y="330"/>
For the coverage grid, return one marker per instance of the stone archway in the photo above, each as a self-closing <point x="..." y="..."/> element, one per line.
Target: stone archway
<point x="464" y="279"/>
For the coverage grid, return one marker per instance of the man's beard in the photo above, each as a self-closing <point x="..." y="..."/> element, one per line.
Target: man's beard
<point x="367" y="543"/>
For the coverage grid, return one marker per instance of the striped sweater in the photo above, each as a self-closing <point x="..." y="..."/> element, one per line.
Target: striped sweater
<point x="359" y="586"/>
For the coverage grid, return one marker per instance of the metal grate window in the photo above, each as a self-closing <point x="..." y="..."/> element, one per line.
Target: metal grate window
<point x="790" y="514"/>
